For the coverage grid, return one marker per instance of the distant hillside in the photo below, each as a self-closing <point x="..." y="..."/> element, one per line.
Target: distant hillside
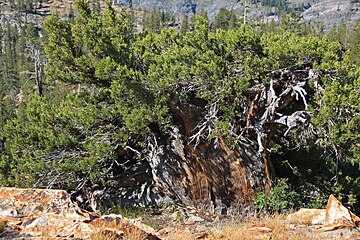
<point x="328" y="11"/>
<point x="332" y="12"/>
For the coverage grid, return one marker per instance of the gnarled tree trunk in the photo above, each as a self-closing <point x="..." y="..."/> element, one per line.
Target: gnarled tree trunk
<point x="207" y="173"/>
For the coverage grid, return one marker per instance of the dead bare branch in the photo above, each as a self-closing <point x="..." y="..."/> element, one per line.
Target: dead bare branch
<point x="207" y="125"/>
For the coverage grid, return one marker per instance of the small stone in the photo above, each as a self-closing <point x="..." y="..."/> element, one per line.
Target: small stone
<point x="27" y="222"/>
<point x="203" y="229"/>
<point x="9" y="213"/>
<point x="38" y="222"/>
<point x="195" y="219"/>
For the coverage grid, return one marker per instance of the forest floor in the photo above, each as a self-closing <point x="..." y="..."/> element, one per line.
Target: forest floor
<point x="50" y="214"/>
<point x="267" y="227"/>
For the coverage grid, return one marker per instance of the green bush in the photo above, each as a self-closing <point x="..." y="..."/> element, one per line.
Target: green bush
<point x="127" y="211"/>
<point x="278" y="199"/>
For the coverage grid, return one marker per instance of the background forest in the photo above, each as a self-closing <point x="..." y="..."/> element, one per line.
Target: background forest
<point x="87" y="101"/>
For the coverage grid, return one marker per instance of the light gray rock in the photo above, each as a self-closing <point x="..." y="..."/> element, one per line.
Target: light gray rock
<point x="195" y="219"/>
<point x="328" y="11"/>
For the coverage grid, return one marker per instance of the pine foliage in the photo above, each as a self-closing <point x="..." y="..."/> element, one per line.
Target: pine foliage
<point x="108" y="90"/>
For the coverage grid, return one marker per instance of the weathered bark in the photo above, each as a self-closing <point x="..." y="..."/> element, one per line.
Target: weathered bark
<point x="210" y="176"/>
<point x="214" y="176"/>
<point x="188" y="168"/>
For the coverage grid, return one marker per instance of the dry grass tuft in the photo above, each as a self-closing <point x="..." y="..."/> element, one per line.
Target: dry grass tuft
<point x="105" y="235"/>
<point x="111" y="235"/>
<point x="229" y="233"/>
<point x="232" y="230"/>
<point x="2" y="226"/>
<point x="184" y="236"/>
<point x="278" y="226"/>
<point x="135" y="234"/>
<point x="269" y="227"/>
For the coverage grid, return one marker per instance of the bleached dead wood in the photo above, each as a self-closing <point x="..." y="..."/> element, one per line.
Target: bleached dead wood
<point x="269" y="103"/>
<point x="34" y="53"/>
<point x="206" y="126"/>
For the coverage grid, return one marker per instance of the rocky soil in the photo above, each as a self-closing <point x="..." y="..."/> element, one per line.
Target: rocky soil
<point x="50" y="214"/>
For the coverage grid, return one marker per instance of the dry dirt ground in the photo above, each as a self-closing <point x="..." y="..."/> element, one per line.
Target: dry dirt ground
<point x="264" y="228"/>
<point x="50" y="214"/>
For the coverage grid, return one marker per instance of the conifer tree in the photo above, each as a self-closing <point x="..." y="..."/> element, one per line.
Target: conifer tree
<point x="184" y="25"/>
<point x="222" y="19"/>
<point x="354" y="43"/>
<point x="232" y="21"/>
<point x="342" y="33"/>
<point x="111" y="97"/>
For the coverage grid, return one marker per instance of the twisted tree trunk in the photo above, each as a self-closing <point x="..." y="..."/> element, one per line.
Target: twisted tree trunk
<point x="188" y="168"/>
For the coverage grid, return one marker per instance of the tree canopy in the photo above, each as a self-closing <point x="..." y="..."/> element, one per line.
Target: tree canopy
<point x="109" y="92"/>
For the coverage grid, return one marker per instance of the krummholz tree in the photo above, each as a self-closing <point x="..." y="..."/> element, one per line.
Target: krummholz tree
<point x="169" y="117"/>
<point x="231" y="91"/>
